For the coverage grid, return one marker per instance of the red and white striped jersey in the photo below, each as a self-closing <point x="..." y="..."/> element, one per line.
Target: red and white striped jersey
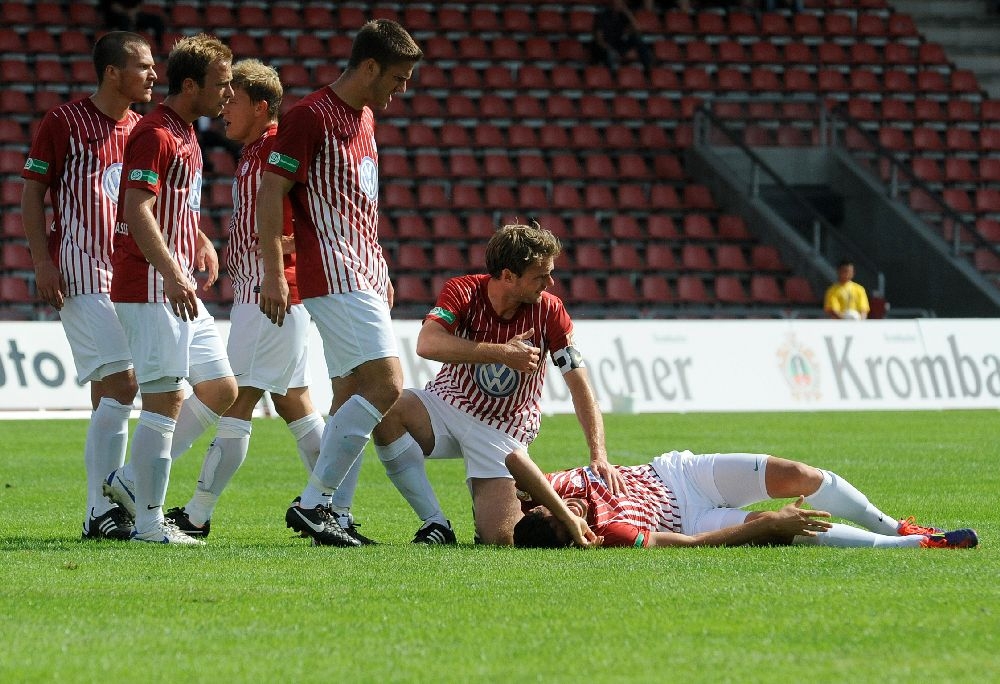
<point x="328" y="148"/>
<point x="647" y="506"/>
<point x="496" y="394"/>
<point x="243" y="260"/>
<point x="162" y="156"/>
<point x="77" y="153"/>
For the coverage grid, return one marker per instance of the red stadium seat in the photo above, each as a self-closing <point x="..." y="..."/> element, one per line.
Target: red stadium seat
<point x="655" y="289"/>
<point x="696" y="258"/>
<point x="691" y="290"/>
<point x="619" y="289"/>
<point x="764" y="289"/>
<point x="729" y="290"/>
<point x="799" y="291"/>
<point x="660" y="257"/>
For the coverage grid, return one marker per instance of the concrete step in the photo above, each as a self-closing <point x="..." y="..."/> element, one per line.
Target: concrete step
<point x="940" y="9"/>
<point x="983" y="35"/>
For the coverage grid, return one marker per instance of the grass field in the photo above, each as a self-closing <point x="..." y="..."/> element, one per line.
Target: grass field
<point x="257" y="604"/>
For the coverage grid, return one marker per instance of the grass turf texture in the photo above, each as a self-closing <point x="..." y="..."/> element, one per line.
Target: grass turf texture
<point x="258" y="604"/>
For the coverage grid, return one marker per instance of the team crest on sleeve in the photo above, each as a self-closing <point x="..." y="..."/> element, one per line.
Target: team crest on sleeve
<point x="194" y="200"/>
<point x="368" y="178"/>
<point x="110" y="180"/>
<point x="283" y="161"/>
<point x="36" y="165"/>
<point x="144" y="175"/>
<point x="443" y="314"/>
<point x="496" y="379"/>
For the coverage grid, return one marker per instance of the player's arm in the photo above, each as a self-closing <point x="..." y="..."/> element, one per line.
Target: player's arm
<point x="145" y="230"/>
<point x="529" y="478"/>
<point x="274" y="298"/>
<point x="436" y="343"/>
<point x="48" y="280"/>
<point x="763" y="526"/>
<point x="588" y="413"/>
<point x="207" y="259"/>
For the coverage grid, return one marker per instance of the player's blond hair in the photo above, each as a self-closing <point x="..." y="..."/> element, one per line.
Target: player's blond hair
<point x="191" y="56"/>
<point x="515" y="247"/>
<point x="261" y="84"/>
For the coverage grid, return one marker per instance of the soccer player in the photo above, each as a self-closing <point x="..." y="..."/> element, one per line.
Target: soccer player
<point x="157" y="247"/>
<point x="264" y="357"/>
<point x="324" y="159"/>
<point x="685" y="499"/>
<point x="492" y="332"/>
<point x="77" y="157"/>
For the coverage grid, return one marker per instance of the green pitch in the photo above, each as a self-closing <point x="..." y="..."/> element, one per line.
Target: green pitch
<point x="259" y="605"/>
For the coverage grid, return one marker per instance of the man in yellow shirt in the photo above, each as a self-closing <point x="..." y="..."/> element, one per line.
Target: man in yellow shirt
<point x="846" y="299"/>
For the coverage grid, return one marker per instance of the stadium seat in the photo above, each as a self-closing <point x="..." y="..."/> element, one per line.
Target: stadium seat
<point x="566" y="166"/>
<point x="988" y="200"/>
<point x="691" y="290"/>
<point x="586" y="227"/>
<point x="412" y="227"/>
<point x="731" y="258"/>
<point x="583" y="289"/>
<point x="14" y="289"/>
<point x="927" y="169"/>
<point x="764" y="289"/>
<point x="661" y="227"/>
<point x="729" y="290"/>
<point x="15" y="256"/>
<point x="733" y="227"/>
<point x="988" y="169"/>
<point x="655" y="289"/>
<point x="625" y="257"/>
<point x="412" y="289"/>
<point x="799" y="291"/>
<point x="696" y="258"/>
<point x="566" y="197"/>
<point x="599" y="198"/>
<point x="619" y="289"/>
<point x="766" y="258"/>
<point x="986" y="260"/>
<point x="660" y="257"/>
<point x="626" y="227"/>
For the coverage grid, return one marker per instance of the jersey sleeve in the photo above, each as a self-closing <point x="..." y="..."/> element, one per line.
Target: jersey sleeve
<point x="623" y="534"/>
<point x="148" y="154"/>
<point x="452" y="302"/>
<point x="48" y="151"/>
<point x="558" y="328"/>
<point x="295" y="144"/>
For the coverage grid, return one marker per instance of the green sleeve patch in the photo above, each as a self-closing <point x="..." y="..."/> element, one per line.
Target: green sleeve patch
<point x="36" y="165"/>
<point x="283" y="161"/>
<point x="639" y="540"/>
<point x="145" y="175"/>
<point x="443" y="314"/>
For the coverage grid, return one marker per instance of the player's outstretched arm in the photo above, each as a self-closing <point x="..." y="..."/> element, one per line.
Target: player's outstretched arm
<point x="436" y="343"/>
<point x="588" y="413"/>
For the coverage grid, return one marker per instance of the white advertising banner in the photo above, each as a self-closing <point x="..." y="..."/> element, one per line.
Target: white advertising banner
<point x="658" y="366"/>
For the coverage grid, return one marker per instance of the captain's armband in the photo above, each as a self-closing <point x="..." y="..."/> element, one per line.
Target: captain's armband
<point x="567" y="359"/>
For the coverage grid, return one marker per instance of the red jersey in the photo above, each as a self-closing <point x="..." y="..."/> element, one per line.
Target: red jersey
<point x="648" y="506"/>
<point x="496" y="394"/>
<point x="77" y="153"/>
<point x="328" y="148"/>
<point x="162" y="156"/>
<point x="243" y="260"/>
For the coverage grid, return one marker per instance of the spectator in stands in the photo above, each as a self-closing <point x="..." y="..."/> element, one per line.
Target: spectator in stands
<point x="685" y="499"/>
<point x="846" y="299"/>
<point x="76" y="157"/>
<point x="492" y="332"/>
<point x="128" y="15"/>
<point x="616" y="34"/>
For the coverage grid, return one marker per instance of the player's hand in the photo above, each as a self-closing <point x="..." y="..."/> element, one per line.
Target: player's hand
<point x="520" y="355"/>
<point x="583" y="536"/>
<point x="181" y="295"/>
<point x="288" y="244"/>
<point x="49" y="284"/>
<point x="207" y="259"/>
<point x="607" y="472"/>
<point x="794" y="520"/>
<point x="274" y="298"/>
<point x="390" y="294"/>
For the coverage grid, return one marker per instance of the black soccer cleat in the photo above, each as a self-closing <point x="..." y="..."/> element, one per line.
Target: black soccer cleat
<point x="179" y="517"/>
<point x="318" y="524"/>
<point x="115" y="523"/>
<point x="435" y="533"/>
<point x="348" y="525"/>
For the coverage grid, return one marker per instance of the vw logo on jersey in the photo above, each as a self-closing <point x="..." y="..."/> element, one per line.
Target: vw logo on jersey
<point x="368" y="178"/>
<point x="496" y="379"/>
<point x="194" y="199"/>
<point x="110" y="180"/>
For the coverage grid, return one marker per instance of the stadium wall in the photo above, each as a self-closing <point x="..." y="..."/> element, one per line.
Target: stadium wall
<point x="652" y="366"/>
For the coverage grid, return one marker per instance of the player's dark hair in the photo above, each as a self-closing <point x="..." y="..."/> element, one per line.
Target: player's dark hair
<point x="516" y="247"/>
<point x="844" y="262"/>
<point x="113" y="49"/>
<point x="386" y="42"/>
<point x="190" y="58"/>
<point x="534" y="531"/>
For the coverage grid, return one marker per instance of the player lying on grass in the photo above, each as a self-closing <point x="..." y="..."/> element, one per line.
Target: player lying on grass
<point x="685" y="499"/>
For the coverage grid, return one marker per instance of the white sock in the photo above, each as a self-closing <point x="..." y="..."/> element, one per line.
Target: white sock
<point x="839" y="498"/>
<point x="107" y="437"/>
<point x="404" y="464"/>
<point x="224" y="457"/>
<point x="151" y="463"/>
<point x="343" y="498"/>
<point x="192" y="422"/>
<point x="346" y="434"/>
<point x="308" y="433"/>
<point x="845" y="536"/>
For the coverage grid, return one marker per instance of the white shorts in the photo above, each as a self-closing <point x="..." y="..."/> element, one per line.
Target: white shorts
<point x="355" y="327"/>
<point x="711" y="489"/>
<point x="95" y="335"/>
<point x="164" y="346"/>
<point x="460" y="435"/>
<point x="266" y="356"/>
